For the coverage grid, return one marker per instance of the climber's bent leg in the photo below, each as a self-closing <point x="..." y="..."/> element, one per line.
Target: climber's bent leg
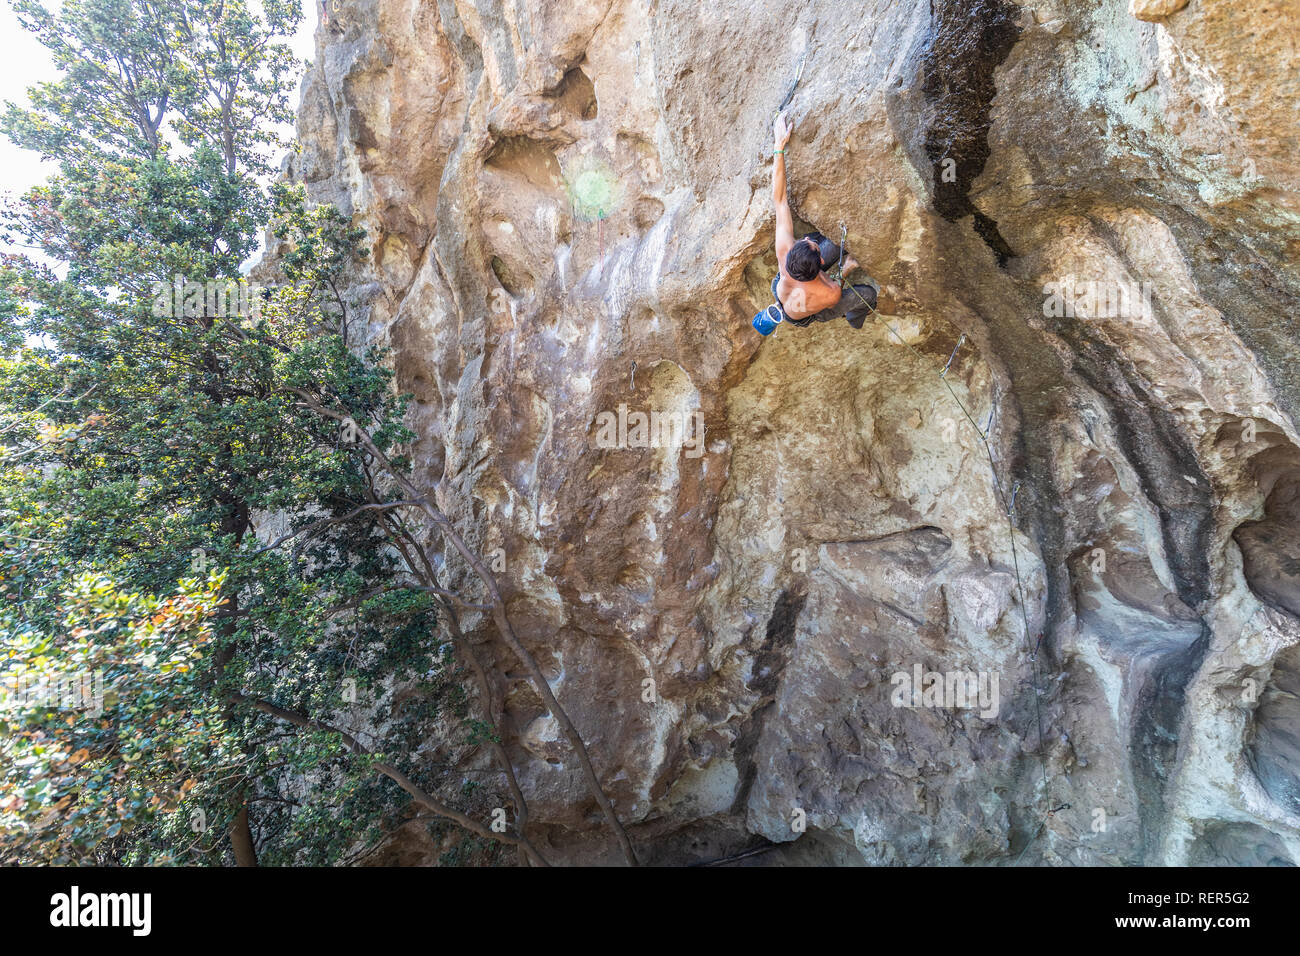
<point x="828" y="250"/>
<point x="830" y="253"/>
<point x="858" y="302"/>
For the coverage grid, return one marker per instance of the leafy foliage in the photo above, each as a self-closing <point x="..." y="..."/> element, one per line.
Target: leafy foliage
<point x="106" y="725"/>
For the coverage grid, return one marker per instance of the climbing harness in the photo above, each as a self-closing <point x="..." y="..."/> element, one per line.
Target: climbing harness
<point x="1009" y="505"/>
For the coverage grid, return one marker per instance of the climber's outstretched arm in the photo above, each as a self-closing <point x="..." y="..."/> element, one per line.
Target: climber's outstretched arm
<point x="784" y="221"/>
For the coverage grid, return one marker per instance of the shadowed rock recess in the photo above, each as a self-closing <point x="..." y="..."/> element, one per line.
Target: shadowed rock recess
<point x="569" y="208"/>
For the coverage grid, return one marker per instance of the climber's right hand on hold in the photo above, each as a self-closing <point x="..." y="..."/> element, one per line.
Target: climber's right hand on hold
<point x="781" y="130"/>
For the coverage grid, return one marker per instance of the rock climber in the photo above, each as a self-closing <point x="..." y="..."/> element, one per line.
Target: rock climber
<point x="804" y="292"/>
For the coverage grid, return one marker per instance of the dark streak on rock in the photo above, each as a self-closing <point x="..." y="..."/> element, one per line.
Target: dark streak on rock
<point x="968" y="41"/>
<point x="770" y="660"/>
<point x="769" y="664"/>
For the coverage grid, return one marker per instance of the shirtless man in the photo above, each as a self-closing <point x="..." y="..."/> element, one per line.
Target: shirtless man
<point x="804" y="291"/>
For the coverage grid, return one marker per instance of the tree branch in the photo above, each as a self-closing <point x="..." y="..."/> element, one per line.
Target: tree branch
<point x="422" y="798"/>
<point x="499" y="615"/>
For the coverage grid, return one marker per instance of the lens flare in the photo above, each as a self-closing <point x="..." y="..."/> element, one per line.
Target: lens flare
<point x="593" y="190"/>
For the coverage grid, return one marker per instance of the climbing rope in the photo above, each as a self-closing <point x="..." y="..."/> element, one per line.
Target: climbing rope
<point x="1030" y="842"/>
<point x="600" y="241"/>
<point x="1008" y="506"/>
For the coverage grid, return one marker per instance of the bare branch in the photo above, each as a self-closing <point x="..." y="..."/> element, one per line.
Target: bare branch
<point x="404" y="541"/>
<point x="323" y="523"/>
<point x="499" y="615"/>
<point x="422" y="798"/>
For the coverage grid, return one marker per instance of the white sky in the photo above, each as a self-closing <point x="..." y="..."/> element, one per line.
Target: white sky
<point x="26" y="62"/>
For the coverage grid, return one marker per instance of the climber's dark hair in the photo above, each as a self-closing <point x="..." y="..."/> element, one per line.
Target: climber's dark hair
<point x="803" y="263"/>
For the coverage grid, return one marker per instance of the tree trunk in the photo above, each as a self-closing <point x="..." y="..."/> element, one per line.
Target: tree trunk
<point x="241" y="839"/>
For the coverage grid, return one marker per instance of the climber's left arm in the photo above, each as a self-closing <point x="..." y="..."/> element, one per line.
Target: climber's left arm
<point x="784" y="220"/>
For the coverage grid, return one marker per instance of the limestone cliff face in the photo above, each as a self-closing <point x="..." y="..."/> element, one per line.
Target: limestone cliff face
<point x="569" y="205"/>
